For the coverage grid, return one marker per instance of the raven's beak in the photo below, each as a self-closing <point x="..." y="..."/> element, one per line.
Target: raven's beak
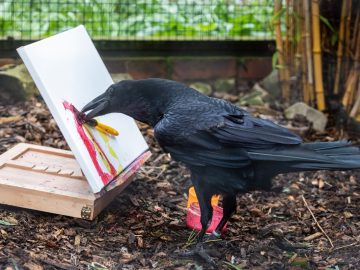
<point x="97" y="106"/>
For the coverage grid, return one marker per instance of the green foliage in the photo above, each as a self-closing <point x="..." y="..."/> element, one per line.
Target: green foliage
<point x="167" y="19"/>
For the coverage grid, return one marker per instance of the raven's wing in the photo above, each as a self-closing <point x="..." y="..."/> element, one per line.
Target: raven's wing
<point x="201" y="134"/>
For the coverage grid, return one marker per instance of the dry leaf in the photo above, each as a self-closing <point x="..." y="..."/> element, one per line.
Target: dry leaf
<point x="4" y="234"/>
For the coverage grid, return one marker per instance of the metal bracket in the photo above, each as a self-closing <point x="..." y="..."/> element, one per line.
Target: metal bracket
<point x="86" y="212"/>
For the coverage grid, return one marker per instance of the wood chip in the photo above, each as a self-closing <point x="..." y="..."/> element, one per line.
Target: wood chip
<point x="9" y="119"/>
<point x="313" y="236"/>
<point x="256" y="212"/>
<point x="77" y="240"/>
<point x="140" y="242"/>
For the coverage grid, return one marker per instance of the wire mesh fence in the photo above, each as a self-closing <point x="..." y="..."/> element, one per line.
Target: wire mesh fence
<point x="139" y="19"/>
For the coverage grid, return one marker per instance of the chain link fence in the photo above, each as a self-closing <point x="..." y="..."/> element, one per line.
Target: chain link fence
<point x="139" y="19"/>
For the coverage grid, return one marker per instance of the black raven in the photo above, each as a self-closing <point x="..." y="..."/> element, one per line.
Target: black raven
<point x="227" y="150"/>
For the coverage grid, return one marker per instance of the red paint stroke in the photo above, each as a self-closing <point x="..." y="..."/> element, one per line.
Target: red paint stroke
<point x="89" y="144"/>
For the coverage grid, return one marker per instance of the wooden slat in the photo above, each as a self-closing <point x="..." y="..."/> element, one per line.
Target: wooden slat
<point x="37" y="180"/>
<point x="12" y="152"/>
<point x="45" y="158"/>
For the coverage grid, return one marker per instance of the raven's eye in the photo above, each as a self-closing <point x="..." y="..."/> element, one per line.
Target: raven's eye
<point x="110" y="91"/>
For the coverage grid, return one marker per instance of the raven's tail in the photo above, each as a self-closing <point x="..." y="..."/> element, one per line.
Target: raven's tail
<point x="339" y="155"/>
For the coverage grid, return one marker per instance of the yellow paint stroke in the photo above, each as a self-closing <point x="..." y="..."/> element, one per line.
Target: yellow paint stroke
<point x="106" y="129"/>
<point x="111" y="150"/>
<point x="97" y="149"/>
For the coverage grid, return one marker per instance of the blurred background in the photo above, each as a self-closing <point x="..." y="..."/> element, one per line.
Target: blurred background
<point x="310" y="49"/>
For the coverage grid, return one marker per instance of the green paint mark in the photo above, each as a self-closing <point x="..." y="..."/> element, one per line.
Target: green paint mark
<point x="111" y="150"/>
<point x="107" y="142"/>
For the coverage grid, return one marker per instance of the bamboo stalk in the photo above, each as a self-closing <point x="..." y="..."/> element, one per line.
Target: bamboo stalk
<point x="289" y="37"/>
<point x="283" y="71"/>
<point x="356" y="65"/>
<point x="340" y="47"/>
<point x="349" y="86"/>
<point x="347" y="36"/>
<point x="319" y="87"/>
<point x="303" y="59"/>
<point x="295" y="44"/>
<point x="287" y="33"/>
<point x="309" y="60"/>
<point x="354" y="75"/>
<point x="356" y="28"/>
<point x="355" y="108"/>
<point x="297" y="47"/>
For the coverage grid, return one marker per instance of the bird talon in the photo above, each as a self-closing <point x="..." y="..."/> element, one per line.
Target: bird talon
<point x="214" y="236"/>
<point x="199" y="251"/>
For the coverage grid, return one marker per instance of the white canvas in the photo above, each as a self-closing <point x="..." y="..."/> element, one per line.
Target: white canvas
<point x="67" y="68"/>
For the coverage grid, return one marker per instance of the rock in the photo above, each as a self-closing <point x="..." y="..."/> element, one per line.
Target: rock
<point x="257" y="97"/>
<point x="224" y="85"/>
<point x="203" y="88"/>
<point x="117" y="77"/>
<point x="317" y="118"/>
<point x="16" y="84"/>
<point x="271" y="84"/>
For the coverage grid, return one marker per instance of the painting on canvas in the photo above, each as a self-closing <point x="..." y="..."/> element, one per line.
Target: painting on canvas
<point x="69" y="72"/>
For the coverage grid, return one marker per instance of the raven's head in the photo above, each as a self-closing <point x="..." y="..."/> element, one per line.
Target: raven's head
<point x="103" y="104"/>
<point x="142" y="100"/>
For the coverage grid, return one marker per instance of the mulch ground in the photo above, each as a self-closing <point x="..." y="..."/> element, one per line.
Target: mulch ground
<point x="292" y="227"/>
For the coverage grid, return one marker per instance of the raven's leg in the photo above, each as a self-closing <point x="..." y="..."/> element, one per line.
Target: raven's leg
<point x="206" y="211"/>
<point x="229" y="206"/>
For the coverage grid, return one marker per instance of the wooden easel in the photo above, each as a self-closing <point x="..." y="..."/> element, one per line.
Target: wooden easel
<point x="48" y="179"/>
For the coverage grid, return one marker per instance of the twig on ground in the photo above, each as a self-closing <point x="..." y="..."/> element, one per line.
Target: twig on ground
<point x="56" y="264"/>
<point x="317" y="223"/>
<point x="346" y="246"/>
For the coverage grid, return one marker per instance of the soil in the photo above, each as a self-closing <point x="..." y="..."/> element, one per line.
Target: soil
<point x="144" y="227"/>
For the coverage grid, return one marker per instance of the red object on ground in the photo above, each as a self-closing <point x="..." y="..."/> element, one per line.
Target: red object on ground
<point x="193" y="218"/>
